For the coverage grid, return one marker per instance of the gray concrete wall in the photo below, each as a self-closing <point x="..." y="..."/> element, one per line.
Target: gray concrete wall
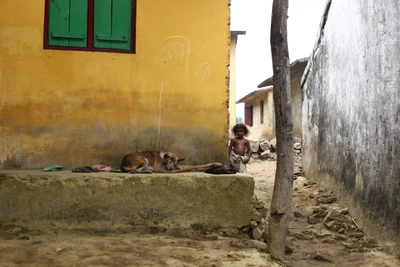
<point x="186" y="200"/>
<point x="351" y="109"/>
<point x="296" y="99"/>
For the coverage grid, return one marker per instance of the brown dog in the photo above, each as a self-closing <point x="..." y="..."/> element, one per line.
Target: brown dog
<point x="158" y="161"/>
<point x="150" y="161"/>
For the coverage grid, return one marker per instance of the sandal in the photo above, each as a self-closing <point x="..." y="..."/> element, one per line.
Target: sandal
<point x="84" y="169"/>
<point x="53" y="168"/>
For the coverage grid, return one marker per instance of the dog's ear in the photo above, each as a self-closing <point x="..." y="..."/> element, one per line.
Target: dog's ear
<point x="180" y="159"/>
<point x="166" y="155"/>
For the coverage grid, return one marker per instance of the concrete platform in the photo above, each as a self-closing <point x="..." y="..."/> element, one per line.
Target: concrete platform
<point x="185" y="200"/>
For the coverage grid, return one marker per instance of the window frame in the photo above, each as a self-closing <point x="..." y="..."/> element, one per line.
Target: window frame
<point x="248" y="115"/>
<point x="90" y="32"/>
<point x="262" y="112"/>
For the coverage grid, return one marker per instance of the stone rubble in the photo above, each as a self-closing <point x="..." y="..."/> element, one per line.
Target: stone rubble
<point x="266" y="150"/>
<point x="340" y="227"/>
<point x="258" y="227"/>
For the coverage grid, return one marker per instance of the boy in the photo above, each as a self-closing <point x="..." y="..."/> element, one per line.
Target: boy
<point x="239" y="148"/>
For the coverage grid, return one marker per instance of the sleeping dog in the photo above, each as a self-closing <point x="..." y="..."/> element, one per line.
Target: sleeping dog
<point x="150" y="161"/>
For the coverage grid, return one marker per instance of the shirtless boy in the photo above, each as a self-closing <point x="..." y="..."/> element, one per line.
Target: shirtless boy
<point x="239" y="148"/>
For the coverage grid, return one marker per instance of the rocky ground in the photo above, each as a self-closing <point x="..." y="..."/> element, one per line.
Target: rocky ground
<point x="322" y="233"/>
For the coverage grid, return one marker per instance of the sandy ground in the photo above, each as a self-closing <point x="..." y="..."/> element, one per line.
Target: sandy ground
<point x="312" y="244"/>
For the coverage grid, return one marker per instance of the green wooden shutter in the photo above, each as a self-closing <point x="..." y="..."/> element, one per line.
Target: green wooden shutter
<point x="112" y="24"/>
<point x="68" y="23"/>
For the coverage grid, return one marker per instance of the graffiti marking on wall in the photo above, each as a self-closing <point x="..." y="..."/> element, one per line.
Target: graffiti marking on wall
<point x="202" y="72"/>
<point x="176" y="47"/>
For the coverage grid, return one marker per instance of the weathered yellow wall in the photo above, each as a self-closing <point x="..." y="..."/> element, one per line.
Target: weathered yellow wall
<point x="81" y="108"/>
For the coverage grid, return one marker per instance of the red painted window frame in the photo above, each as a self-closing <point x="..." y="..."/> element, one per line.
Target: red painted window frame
<point x="248" y="116"/>
<point x="90" y="32"/>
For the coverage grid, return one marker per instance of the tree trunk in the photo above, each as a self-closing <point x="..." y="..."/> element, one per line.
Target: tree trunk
<point x="282" y="194"/>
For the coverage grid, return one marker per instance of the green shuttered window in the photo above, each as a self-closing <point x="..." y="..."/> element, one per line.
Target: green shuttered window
<point x="93" y="25"/>
<point x="68" y="23"/>
<point x="112" y="24"/>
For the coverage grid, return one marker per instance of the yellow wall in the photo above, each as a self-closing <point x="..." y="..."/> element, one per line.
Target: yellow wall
<point x="79" y="108"/>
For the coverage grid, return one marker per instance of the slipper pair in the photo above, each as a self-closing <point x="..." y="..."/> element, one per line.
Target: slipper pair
<point x="102" y="168"/>
<point x="97" y="168"/>
<point x="53" y="168"/>
<point x="105" y="168"/>
<point x="84" y="169"/>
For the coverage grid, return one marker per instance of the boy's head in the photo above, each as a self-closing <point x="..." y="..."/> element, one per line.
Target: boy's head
<point x="240" y="127"/>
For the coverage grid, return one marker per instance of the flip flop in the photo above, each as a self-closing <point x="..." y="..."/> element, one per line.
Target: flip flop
<point x="85" y="169"/>
<point x="53" y="168"/>
<point x="79" y="170"/>
<point x="115" y="169"/>
<point x="90" y="169"/>
<point x="102" y="168"/>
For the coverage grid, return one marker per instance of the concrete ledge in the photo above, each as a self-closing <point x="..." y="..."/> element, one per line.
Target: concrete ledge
<point x="184" y="200"/>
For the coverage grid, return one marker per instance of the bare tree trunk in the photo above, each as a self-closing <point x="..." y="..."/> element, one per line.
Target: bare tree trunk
<point x="282" y="194"/>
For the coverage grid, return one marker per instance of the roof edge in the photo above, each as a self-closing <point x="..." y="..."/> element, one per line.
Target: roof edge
<point x="269" y="81"/>
<point x="238" y="32"/>
<point x="265" y="89"/>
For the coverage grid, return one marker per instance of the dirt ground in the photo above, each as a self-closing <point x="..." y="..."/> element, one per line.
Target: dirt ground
<point x="312" y="244"/>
